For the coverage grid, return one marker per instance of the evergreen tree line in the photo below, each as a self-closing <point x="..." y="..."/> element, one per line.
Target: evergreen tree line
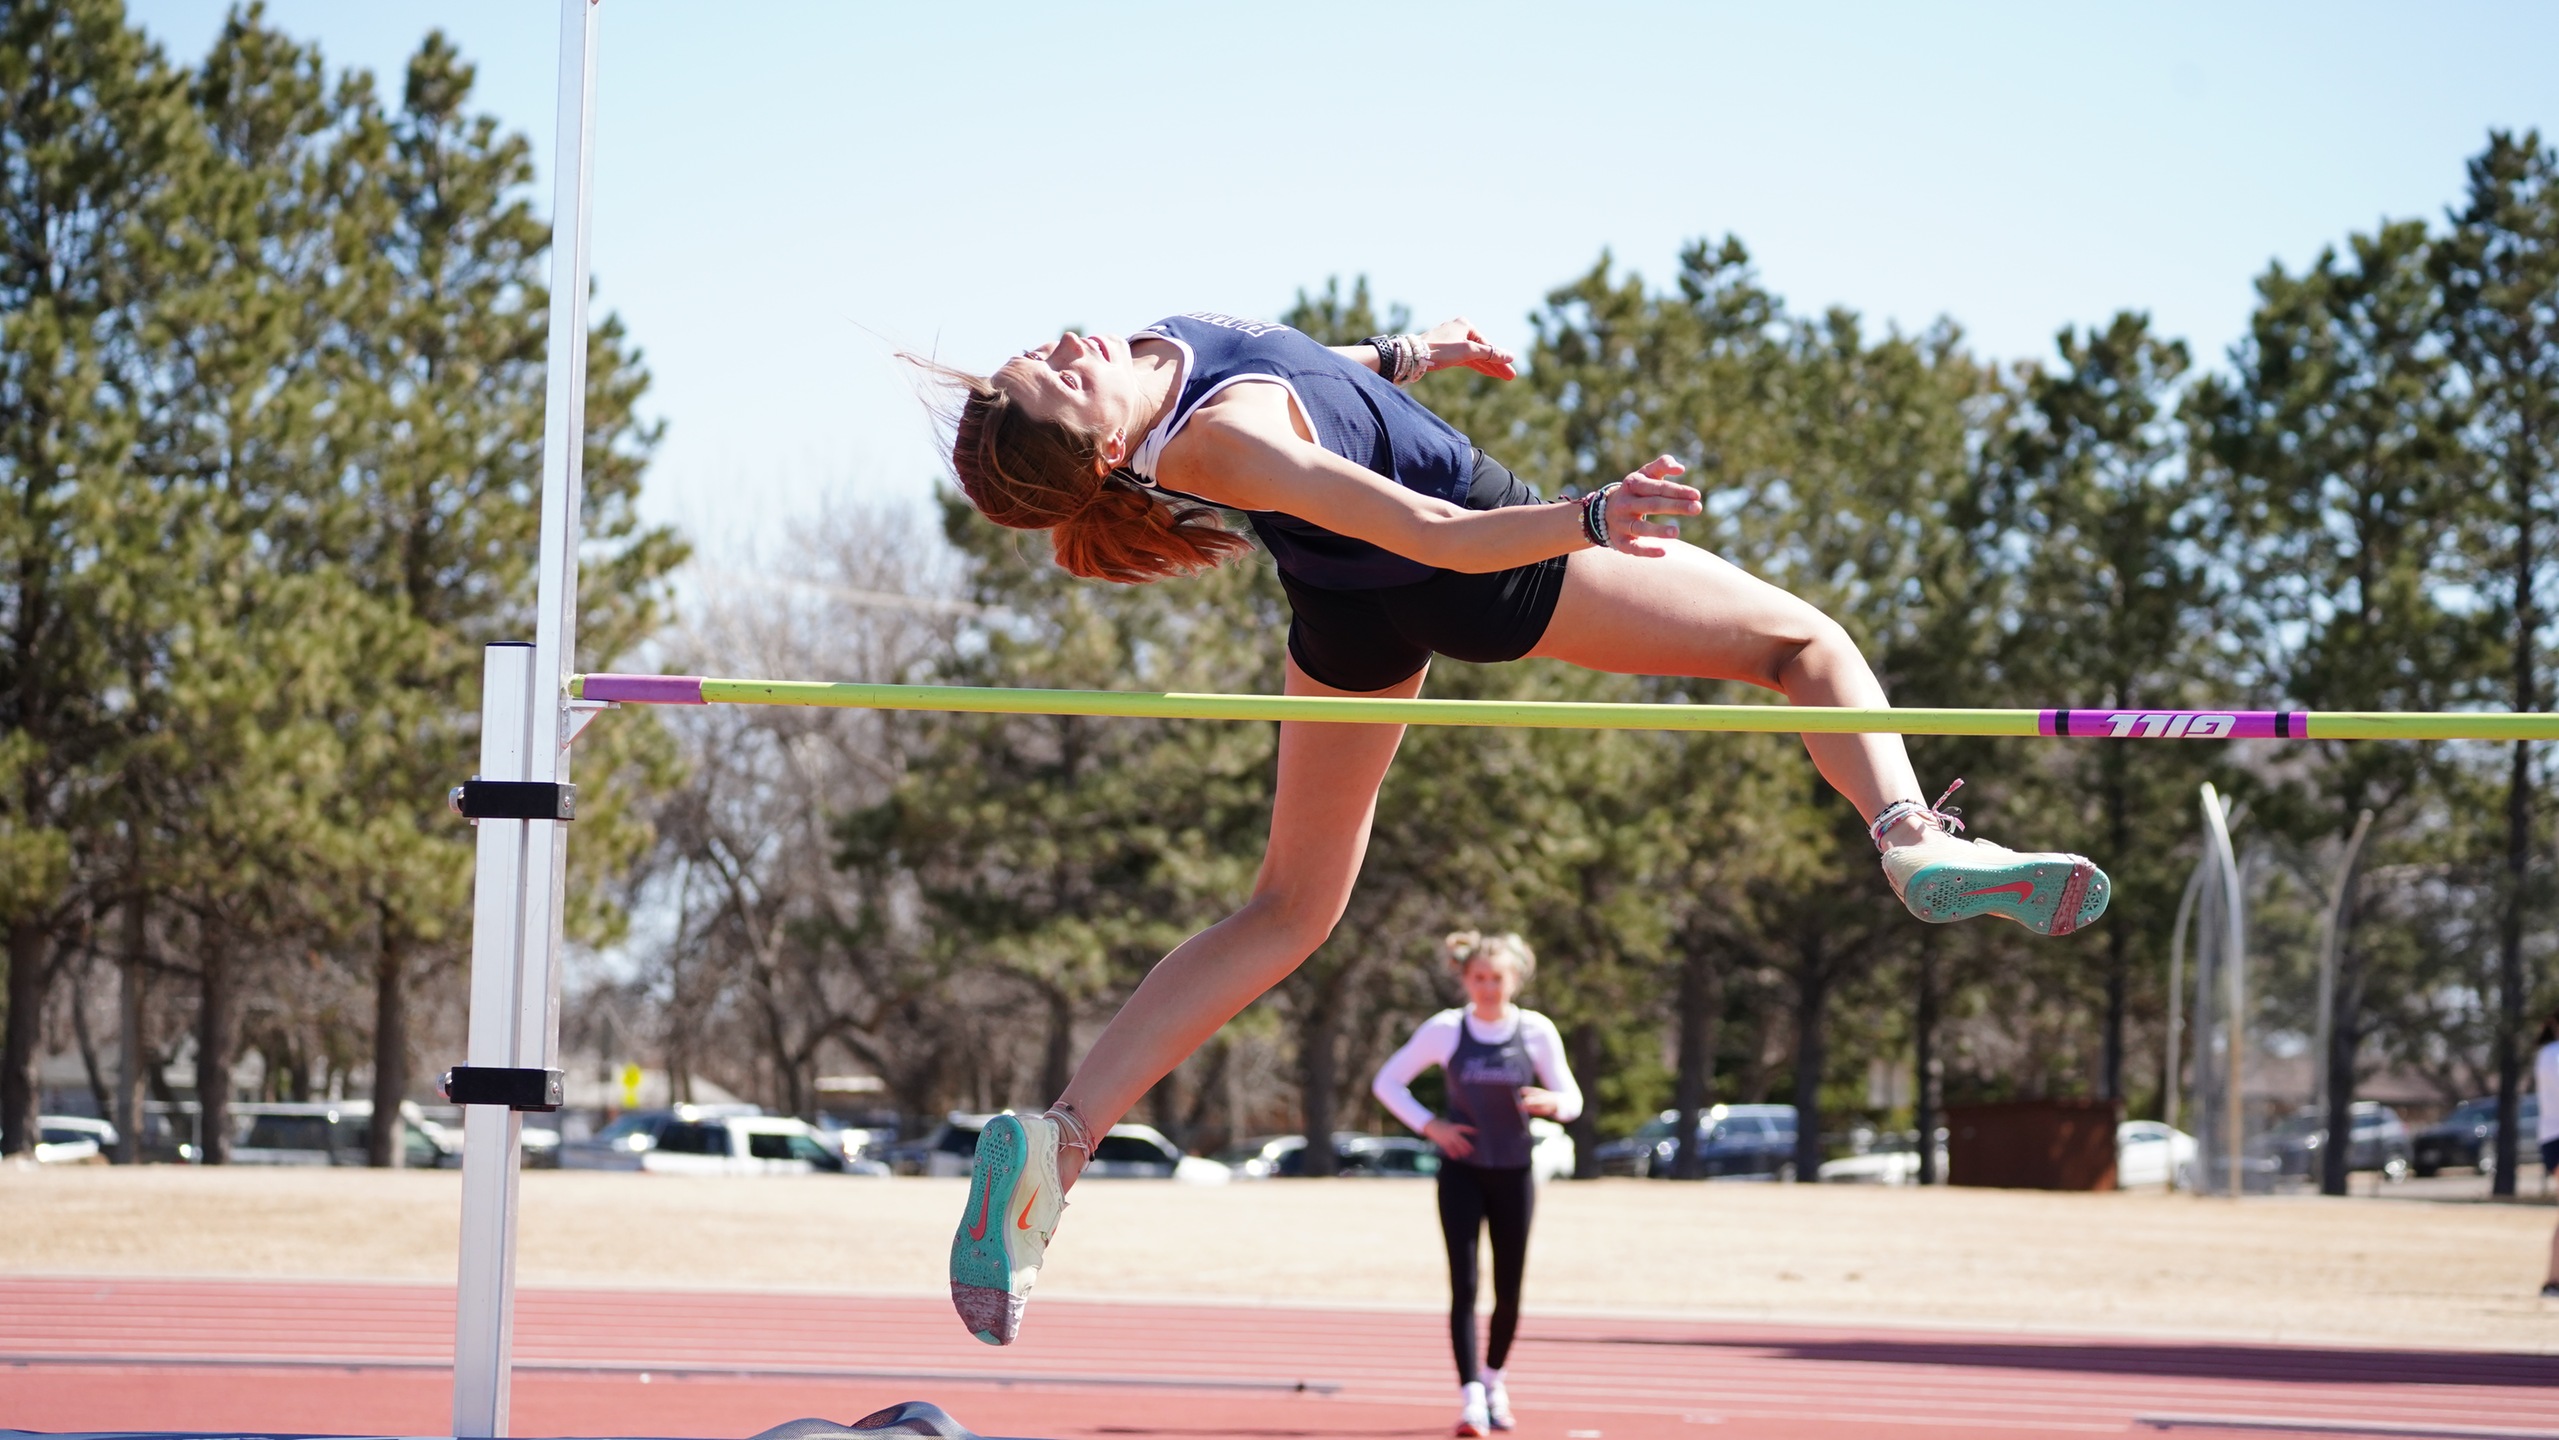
<point x="271" y="353"/>
<point x="269" y="426"/>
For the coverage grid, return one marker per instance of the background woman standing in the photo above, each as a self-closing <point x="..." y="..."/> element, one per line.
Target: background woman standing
<point x="1503" y="1065"/>
<point x="2545" y="1081"/>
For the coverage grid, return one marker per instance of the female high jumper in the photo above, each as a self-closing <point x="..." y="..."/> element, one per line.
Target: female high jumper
<point x="1395" y="539"/>
<point x="1502" y="1065"/>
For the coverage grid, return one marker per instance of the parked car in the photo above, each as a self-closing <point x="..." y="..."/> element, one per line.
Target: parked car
<point x="747" y="1145"/>
<point x="1128" y="1152"/>
<point x="338" y="1132"/>
<point x="950" y="1150"/>
<point x="1271" y="1157"/>
<point x="171" y="1133"/>
<point x="2148" y="1152"/>
<point x="1633" y="1154"/>
<point x="1552" y="1153"/>
<point x="1389" y="1157"/>
<point x="1355" y="1153"/>
<point x="855" y="1142"/>
<point x="1140" y="1152"/>
<point x="2379" y="1142"/>
<point x="1887" y="1160"/>
<point x="74" y="1140"/>
<point x="1738" y="1141"/>
<point x="2468" y="1136"/>
<point x="1358" y="1154"/>
<point x="633" y="1133"/>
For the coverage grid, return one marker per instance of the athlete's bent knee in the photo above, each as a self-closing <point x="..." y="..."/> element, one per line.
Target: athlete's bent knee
<point x="1301" y="922"/>
<point x="1820" y="646"/>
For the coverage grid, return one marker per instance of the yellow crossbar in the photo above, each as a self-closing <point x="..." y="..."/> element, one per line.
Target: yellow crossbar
<point x="1581" y="715"/>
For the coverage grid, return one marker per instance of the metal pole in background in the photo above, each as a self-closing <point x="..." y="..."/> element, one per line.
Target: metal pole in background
<point x="2203" y="1027"/>
<point x="2168" y="1067"/>
<point x="2234" y="942"/>
<point x="523" y="864"/>
<point x="2331" y="926"/>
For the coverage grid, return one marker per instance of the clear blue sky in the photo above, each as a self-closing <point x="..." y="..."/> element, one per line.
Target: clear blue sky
<point x="772" y="178"/>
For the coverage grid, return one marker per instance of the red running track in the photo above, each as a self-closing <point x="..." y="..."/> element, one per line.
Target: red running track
<point x="374" y="1359"/>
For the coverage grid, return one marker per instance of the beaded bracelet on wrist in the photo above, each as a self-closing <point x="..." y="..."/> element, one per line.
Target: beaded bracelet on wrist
<point x="1595" y="515"/>
<point x="1402" y="359"/>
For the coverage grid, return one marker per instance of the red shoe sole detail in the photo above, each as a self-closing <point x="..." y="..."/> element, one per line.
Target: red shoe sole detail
<point x="2074" y="893"/>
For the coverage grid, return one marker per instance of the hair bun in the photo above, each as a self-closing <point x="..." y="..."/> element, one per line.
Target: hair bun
<point x="1464" y="947"/>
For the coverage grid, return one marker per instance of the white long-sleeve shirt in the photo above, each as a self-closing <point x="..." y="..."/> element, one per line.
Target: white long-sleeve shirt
<point x="2545" y="1079"/>
<point x="1437" y="1040"/>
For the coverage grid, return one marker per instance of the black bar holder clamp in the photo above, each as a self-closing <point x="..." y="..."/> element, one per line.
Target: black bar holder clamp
<point x="514" y="800"/>
<point x="534" y="1090"/>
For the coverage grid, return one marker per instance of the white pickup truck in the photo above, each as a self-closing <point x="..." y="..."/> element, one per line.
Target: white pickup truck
<point x="743" y="1145"/>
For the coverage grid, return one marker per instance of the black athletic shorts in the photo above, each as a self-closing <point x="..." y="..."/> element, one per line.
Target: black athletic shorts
<point x="1370" y="639"/>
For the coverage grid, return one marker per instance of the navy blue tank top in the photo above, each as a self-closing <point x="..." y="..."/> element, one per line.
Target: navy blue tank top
<point x="1355" y="413"/>
<point x="1484" y="1080"/>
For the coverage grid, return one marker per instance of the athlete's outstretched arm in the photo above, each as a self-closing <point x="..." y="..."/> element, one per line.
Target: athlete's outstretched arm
<point x="1247" y="449"/>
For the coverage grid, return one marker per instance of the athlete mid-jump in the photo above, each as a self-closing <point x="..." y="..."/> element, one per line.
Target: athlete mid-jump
<point x="1395" y="540"/>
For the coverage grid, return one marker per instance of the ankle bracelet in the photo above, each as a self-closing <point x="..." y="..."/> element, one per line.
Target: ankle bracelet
<point x="1942" y="815"/>
<point x="1067" y="1120"/>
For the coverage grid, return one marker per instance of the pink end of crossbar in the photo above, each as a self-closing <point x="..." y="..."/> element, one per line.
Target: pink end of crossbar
<point x="646" y="689"/>
<point x="2174" y="724"/>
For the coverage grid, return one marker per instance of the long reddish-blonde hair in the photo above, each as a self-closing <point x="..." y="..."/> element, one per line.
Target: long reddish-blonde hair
<point x="1033" y="474"/>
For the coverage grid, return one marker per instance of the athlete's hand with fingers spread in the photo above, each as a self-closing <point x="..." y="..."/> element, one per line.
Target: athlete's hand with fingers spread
<point x="1644" y="494"/>
<point x="1454" y="1140"/>
<point x="1458" y="345"/>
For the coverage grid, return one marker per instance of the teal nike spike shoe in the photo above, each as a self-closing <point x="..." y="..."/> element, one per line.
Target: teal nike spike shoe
<point x="1943" y="878"/>
<point x="1013" y="1205"/>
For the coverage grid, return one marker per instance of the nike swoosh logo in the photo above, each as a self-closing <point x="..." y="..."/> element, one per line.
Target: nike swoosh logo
<point x="2022" y="889"/>
<point x="978" y="1230"/>
<point x="1025" y="1222"/>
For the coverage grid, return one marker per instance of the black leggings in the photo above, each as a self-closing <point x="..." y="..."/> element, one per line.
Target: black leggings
<point x="1501" y="1200"/>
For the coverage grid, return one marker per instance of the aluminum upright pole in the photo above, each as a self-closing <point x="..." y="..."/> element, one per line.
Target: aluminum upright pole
<point x="515" y="946"/>
<point x="2234" y="941"/>
<point x="484" y="1295"/>
<point x="2331" y="934"/>
<point x="2168" y="1062"/>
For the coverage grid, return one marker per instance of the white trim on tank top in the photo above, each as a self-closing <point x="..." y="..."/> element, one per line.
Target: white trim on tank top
<point x="1150" y="451"/>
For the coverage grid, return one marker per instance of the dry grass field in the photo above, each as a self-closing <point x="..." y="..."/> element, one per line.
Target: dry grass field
<point x="2360" y="1271"/>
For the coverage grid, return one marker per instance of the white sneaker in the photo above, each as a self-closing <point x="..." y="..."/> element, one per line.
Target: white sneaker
<point x="1471" y="1416"/>
<point x="1942" y="878"/>
<point x="1013" y="1205"/>
<point x="1497" y="1399"/>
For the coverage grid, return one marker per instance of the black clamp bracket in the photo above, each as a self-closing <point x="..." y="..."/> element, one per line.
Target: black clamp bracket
<point x="536" y="1090"/>
<point x="514" y="800"/>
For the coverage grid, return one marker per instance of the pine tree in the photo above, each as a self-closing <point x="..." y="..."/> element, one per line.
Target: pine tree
<point x="2091" y="490"/>
<point x="2499" y="269"/>
<point x="2337" y="445"/>
<point x="93" y="135"/>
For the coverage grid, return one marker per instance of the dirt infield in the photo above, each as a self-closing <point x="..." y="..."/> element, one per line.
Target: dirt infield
<point x="2352" y="1271"/>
